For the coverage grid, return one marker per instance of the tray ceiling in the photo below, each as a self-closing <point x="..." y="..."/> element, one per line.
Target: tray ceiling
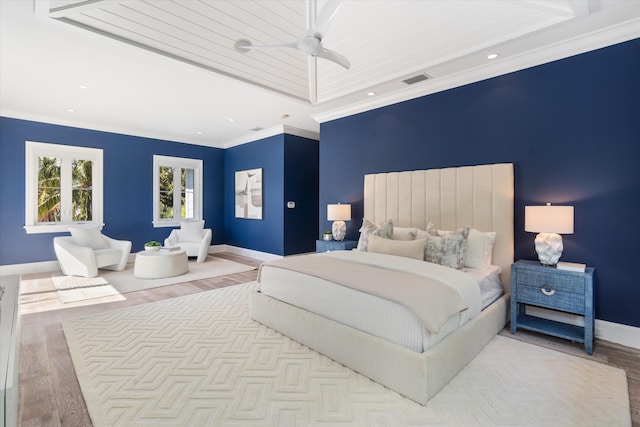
<point x="386" y="41"/>
<point x="167" y="69"/>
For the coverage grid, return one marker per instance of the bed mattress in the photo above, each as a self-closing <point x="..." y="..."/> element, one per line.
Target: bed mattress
<point x="375" y="315"/>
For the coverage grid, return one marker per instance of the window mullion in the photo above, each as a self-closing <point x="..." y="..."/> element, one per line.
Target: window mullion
<point x="177" y="189"/>
<point x="66" y="196"/>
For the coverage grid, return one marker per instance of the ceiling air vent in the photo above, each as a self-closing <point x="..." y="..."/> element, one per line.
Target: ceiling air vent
<point x="256" y="129"/>
<point x="416" y="79"/>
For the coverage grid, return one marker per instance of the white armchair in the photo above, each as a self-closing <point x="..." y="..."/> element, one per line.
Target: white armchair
<point x="192" y="237"/>
<point x="87" y="250"/>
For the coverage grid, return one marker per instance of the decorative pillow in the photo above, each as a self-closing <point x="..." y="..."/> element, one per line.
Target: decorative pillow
<point x="191" y="231"/>
<point x="433" y="231"/>
<point x="368" y="228"/>
<point x="405" y="248"/>
<point x="402" y="233"/>
<point x="449" y="250"/>
<point x="479" y="248"/>
<point x="88" y="236"/>
<point x="421" y="234"/>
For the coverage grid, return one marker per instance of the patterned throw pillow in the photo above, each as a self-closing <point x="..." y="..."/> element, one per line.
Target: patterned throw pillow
<point x="368" y="228"/>
<point x="449" y="250"/>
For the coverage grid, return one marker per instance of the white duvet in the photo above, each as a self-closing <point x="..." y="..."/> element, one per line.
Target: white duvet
<point x="369" y="313"/>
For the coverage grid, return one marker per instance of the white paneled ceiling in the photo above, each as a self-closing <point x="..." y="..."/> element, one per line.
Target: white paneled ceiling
<point x="168" y="68"/>
<point x="384" y="40"/>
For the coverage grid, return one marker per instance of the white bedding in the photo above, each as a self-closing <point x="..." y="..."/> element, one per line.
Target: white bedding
<point x="375" y="315"/>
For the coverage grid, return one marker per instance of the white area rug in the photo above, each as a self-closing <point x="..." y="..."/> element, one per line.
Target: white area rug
<point x="200" y="360"/>
<point x="72" y="289"/>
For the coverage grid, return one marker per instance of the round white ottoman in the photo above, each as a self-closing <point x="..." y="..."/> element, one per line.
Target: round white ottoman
<point x="160" y="264"/>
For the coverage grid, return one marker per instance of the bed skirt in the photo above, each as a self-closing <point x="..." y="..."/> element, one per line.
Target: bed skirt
<point x="418" y="376"/>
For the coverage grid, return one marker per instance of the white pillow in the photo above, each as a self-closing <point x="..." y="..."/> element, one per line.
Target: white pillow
<point x="403" y="233"/>
<point x="191" y="231"/>
<point x="448" y="249"/>
<point x="405" y="248"/>
<point x="368" y="228"/>
<point x="479" y="248"/>
<point x="88" y="236"/>
<point x="421" y="234"/>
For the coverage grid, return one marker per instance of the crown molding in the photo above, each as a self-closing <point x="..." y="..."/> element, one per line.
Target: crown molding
<point x="100" y="128"/>
<point x="272" y="131"/>
<point x="574" y="46"/>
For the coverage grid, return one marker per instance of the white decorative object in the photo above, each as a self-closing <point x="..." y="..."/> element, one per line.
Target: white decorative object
<point x="152" y="248"/>
<point x="549" y="222"/>
<point x="339" y="214"/>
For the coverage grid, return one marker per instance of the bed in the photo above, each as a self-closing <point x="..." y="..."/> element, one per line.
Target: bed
<point x="403" y="355"/>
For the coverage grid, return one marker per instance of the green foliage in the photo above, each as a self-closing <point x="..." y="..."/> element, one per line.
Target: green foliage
<point x="50" y="190"/>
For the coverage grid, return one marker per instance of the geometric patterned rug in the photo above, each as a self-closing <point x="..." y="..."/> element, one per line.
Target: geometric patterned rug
<point x="200" y="360"/>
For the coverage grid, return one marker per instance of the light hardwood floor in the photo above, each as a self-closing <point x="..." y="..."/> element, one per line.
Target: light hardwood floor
<point x="50" y="394"/>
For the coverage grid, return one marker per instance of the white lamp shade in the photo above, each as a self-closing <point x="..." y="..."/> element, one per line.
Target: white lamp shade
<point x="339" y="212"/>
<point x="548" y="219"/>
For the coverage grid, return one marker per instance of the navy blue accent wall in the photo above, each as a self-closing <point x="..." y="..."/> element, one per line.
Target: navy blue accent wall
<point x="572" y="130"/>
<point x="128" y="186"/>
<point x="266" y="235"/>
<point x="301" y="165"/>
<point x="289" y="173"/>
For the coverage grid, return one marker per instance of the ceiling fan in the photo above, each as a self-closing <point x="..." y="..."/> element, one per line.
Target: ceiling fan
<point x="311" y="43"/>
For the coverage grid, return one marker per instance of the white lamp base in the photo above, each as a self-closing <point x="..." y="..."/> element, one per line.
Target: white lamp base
<point x="338" y="229"/>
<point x="549" y="248"/>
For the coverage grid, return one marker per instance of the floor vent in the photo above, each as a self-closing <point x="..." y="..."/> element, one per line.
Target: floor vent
<point x="417" y="79"/>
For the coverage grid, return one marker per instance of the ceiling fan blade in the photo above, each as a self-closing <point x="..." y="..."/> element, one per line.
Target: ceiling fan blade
<point x="334" y="56"/>
<point x="313" y="80"/>
<point x="244" y="45"/>
<point x="325" y="16"/>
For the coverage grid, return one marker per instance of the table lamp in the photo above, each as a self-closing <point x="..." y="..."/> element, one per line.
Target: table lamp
<point x="338" y="214"/>
<point x="549" y="222"/>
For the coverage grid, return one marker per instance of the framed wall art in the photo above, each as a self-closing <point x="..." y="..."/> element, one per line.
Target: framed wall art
<point x="248" y="194"/>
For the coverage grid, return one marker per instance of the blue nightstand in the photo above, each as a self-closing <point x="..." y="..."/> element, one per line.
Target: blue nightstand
<point x="543" y="286"/>
<point x="335" y="245"/>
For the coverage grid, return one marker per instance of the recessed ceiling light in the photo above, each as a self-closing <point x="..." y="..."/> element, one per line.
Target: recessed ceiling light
<point x="231" y="119"/>
<point x="71" y="110"/>
<point x="370" y="93"/>
<point x="199" y="133"/>
<point x="84" y="87"/>
<point x="492" y="56"/>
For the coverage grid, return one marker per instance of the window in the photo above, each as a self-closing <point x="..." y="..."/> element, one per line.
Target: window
<point x="63" y="187"/>
<point x="177" y="190"/>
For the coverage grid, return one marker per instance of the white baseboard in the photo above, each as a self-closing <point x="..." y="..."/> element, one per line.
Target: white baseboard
<point x="29" y="268"/>
<point x="264" y="256"/>
<point x="608" y="331"/>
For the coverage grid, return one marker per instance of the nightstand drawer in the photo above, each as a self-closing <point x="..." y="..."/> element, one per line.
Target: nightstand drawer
<point x="335" y="245"/>
<point x="547" y="295"/>
<point x="560" y="282"/>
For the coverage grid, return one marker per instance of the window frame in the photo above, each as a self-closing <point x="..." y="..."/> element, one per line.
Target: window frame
<point x="177" y="162"/>
<point x="33" y="150"/>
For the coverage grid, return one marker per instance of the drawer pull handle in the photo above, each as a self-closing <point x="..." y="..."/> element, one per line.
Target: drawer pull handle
<point x="548" y="290"/>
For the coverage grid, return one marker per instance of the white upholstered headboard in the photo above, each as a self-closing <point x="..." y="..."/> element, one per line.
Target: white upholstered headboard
<point x="478" y="196"/>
